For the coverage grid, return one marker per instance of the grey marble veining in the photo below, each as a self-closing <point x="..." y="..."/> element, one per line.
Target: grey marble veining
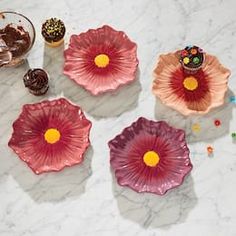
<point x="85" y="199"/>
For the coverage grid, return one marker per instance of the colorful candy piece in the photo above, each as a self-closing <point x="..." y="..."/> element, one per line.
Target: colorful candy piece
<point x="200" y="50"/>
<point x="232" y="99"/>
<point x="210" y="150"/>
<point x="196" y="127"/>
<point x="233" y="135"/>
<point x="193" y="51"/>
<point x="196" y="60"/>
<point x="217" y="122"/>
<point x="184" y="53"/>
<point x="186" y="60"/>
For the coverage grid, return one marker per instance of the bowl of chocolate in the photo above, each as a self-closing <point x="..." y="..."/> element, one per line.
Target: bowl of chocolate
<point x="17" y="36"/>
<point x="192" y="58"/>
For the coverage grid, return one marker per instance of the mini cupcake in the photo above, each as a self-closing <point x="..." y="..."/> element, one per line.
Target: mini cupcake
<point x="53" y="31"/>
<point x="192" y="58"/>
<point x="36" y="81"/>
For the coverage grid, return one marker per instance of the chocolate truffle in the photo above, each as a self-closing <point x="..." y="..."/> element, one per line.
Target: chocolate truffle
<point x="53" y="31"/>
<point x="192" y="58"/>
<point x="36" y="81"/>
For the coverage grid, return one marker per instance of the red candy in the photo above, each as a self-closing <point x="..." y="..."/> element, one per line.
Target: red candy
<point x="184" y="53"/>
<point x="217" y="122"/>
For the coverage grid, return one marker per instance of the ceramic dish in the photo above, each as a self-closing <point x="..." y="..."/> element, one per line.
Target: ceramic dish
<point x="101" y="60"/>
<point x="150" y="156"/>
<point x="190" y="93"/>
<point x="50" y="135"/>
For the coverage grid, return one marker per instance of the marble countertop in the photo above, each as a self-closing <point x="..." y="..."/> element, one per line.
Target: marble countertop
<point x="85" y="199"/>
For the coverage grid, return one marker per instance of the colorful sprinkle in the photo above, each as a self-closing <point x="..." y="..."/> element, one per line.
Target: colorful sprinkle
<point x="53" y="28"/>
<point x="193" y="51"/>
<point x="217" y="122"/>
<point x="232" y="99"/>
<point x="233" y="135"/>
<point x="200" y="50"/>
<point x="196" y="60"/>
<point x="196" y="127"/>
<point x="186" y="60"/>
<point x="210" y="150"/>
<point x="184" y="53"/>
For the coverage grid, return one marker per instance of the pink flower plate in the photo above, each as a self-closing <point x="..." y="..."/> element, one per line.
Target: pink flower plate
<point x="101" y="60"/>
<point x="50" y="135"/>
<point x="150" y="156"/>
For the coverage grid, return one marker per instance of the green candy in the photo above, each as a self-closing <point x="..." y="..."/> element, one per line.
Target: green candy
<point x="196" y="60"/>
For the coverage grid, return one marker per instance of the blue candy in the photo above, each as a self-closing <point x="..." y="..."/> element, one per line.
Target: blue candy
<point x="232" y="99"/>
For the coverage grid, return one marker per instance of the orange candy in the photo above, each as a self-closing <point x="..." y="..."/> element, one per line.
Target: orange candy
<point x="193" y="51"/>
<point x="210" y="150"/>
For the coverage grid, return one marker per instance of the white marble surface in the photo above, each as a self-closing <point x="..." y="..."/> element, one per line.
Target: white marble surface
<point x="85" y="199"/>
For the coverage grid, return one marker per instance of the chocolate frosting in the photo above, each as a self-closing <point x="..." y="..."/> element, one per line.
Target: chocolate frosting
<point x="16" y="39"/>
<point x="53" y="30"/>
<point x="36" y="81"/>
<point x="199" y="55"/>
<point x="5" y="54"/>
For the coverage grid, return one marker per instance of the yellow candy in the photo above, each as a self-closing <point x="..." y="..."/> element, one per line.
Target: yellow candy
<point x="196" y="127"/>
<point x="186" y="60"/>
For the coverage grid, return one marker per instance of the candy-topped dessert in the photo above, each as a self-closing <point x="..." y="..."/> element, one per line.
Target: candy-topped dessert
<point x="36" y="81"/>
<point x="192" y="58"/>
<point x="190" y="81"/>
<point x="53" y="31"/>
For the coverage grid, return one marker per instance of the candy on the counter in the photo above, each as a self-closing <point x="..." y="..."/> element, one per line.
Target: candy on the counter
<point x="196" y="127"/>
<point x="217" y="122"/>
<point x="53" y="31"/>
<point x="210" y="150"/>
<point x="233" y="135"/>
<point x="232" y="99"/>
<point x="192" y="58"/>
<point x="36" y="81"/>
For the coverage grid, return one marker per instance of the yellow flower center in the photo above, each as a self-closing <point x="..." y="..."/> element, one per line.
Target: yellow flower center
<point x="52" y="135"/>
<point x="101" y="60"/>
<point x="190" y="83"/>
<point x="151" y="158"/>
